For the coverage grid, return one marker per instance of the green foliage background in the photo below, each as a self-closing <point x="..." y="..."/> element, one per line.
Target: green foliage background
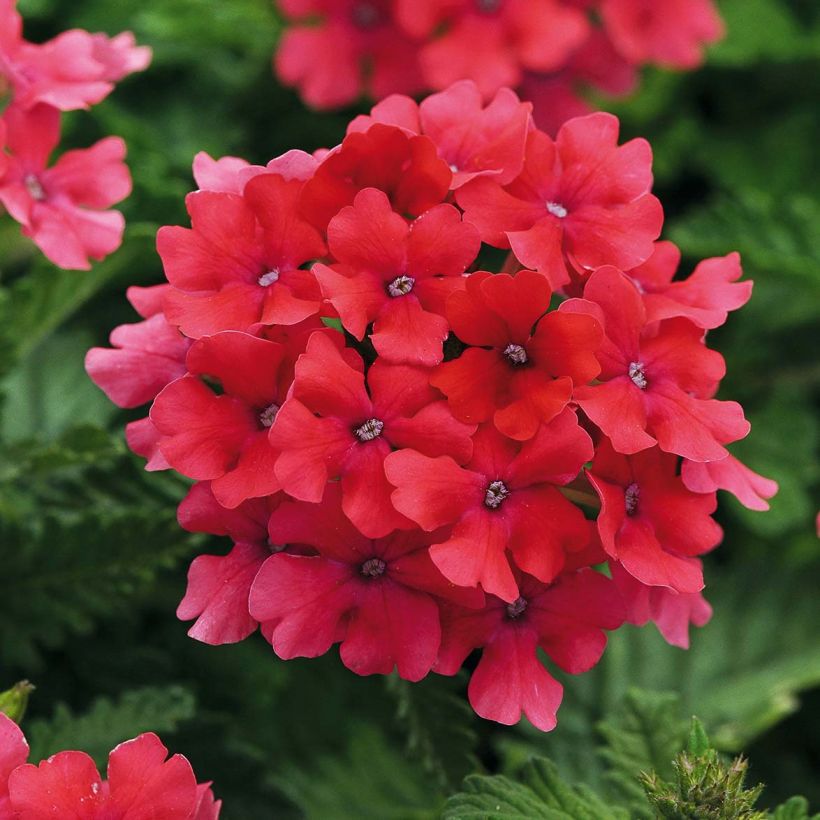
<point x="92" y="563"/>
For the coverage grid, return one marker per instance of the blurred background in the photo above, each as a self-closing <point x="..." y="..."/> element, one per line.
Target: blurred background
<point x="92" y="562"/>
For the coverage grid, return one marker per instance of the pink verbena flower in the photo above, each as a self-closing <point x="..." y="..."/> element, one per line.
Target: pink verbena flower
<point x="63" y="207"/>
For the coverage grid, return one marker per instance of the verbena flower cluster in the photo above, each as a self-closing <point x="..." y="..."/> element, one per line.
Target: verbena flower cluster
<point x="334" y="51"/>
<point x="141" y="783"/>
<point x="409" y="450"/>
<point x="62" y="207"/>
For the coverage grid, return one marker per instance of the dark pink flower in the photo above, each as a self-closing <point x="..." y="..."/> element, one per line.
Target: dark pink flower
<point x="404" y="166"/>
<point x="581" y="198"/>
<point x="730" y="474"/>
<point x="705" y="297"/>
<point x="332" y="427"/>
<point x="657" y="381"/>
<point x="219" y="585"/>
<point x="378" y="597"/>
<point x="670" y="611"/>
<point x="523" y="361"/>
<point x="649" y="521"/>
<point x="503" y="503"/>
<point x="13" y="753"/>
<point x="473" y="139"/>
<point x="238" y="267"/>
<point x="141" y="784"/>
<point x="144" y="358"/>
<point x="493" y="41"/>
<point x="224" y="438"/>
<point x="74" y="70"/>
<point x="565" y="619"/>
<point x="396" y="276"/>
<point x="62" y="208"/>
<point x="350" y="47"/>
<point x="670" y="34"/>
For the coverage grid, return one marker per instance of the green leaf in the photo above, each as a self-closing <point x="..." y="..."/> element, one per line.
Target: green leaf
<point x="373" y="781"/>
<point x="796" y="808"/>
<point x="107" y="722"/>
<point x="541" y="793"/>
<point x="440" y="726"/>
<point x="643" y="735"/>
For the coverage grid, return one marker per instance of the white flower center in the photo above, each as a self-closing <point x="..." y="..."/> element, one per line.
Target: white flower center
<point x="373" y="567"/>
<point x="637" y="375"/>
<point x="631" y="496"/>
<point x="268" y="415"/>
<point x="401" y="286"/>
<point x="269" y="278"/>
<point x="557" y="209"/>
<point x="35" y="188"/>
<point x="371" y="429"/>
<point x="516" y="608"/>
<point x="516" y="354"/>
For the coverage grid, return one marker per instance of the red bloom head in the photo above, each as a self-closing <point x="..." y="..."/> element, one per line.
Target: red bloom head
<point x="406" y="452"/>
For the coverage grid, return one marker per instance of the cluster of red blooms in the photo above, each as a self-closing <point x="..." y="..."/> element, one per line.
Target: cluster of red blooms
<point x="335" y="50"/>
<point x="141" y="783"/>
<point x="62" y="207"/>
<point x="412" y="488"/>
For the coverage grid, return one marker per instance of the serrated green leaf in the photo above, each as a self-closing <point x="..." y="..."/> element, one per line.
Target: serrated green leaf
<point x="108" y="723"/>
<point x="541" y="793"/>
<point x="796" y="808"/>
<point x="643" y="735"/>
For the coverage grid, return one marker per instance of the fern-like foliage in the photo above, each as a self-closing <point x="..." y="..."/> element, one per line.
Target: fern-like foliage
<point x="439" y="725"/>
<point x="82" y="532"/>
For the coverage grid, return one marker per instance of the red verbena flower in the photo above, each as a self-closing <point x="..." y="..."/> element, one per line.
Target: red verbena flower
<point x="140" y="783"/>
<point x="705" y="297"/>
<point x="672" y="34"/>
<point x="224" y="438"/>
<point x="657" y="381"/>
<point x="396" y="276"/>
<point x="219" y="585"/>
<point x="493" y="41"/>
<point x="670" y="611"/>
<point x="649" y="521"/>
<point x="473" y="139"/>
<point x="355" y="47"/>
<point x="565" y="619"/>
<point x="404" y="166"/>
<point x="239" y="266"/>
<point x="503" y="502"/>
<point x="581" y="198"/>
<point x="378" y="597"/>
<point x="730" y="474"/>
<point x="512" y="374"/>
<point x="332" y="427"/>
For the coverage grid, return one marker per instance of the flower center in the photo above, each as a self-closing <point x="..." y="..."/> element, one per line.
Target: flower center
<point x="269" y="278"/>
<point x="371" y="429"/>
<point x="637" y="375"/>
<point x="557" y="209"/>
<point x="366" y="15"/>
<point x="495" y="494"/>
<point x="268" y="415"/>
<point x="631" y="496"/>
<point x="401" y="286"/>
<point x="516" y="354"/>
<point x="516" y="608"/>
<point x="35" y="188"/>
<point x="373" y="568"/>
<point x="487" y="6"/>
